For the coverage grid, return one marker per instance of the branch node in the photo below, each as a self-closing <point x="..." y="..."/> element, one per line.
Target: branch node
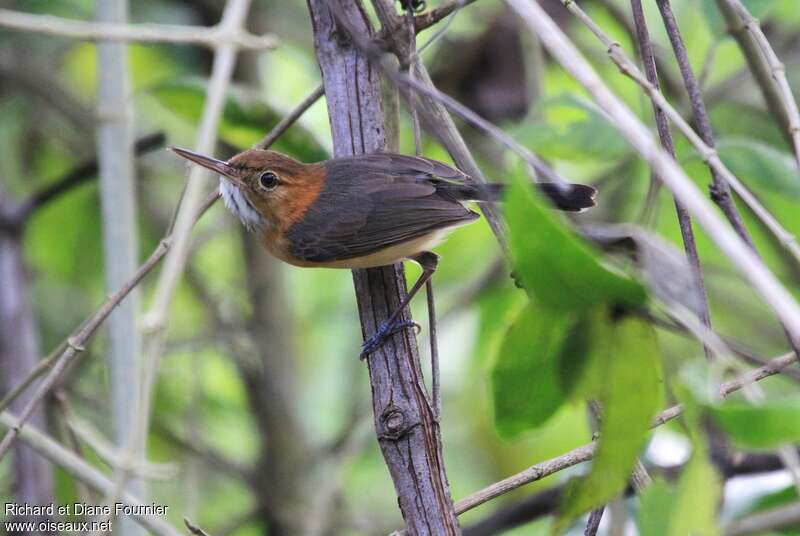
<point x="708" y="154"/>
<point x="73" y="343"/>
<point x="394" y="423"/>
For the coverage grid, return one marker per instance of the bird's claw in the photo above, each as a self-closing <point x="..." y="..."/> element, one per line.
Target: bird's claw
<point x="385" y="330"/>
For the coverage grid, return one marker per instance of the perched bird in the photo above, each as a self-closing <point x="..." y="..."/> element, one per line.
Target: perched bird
<point x="358" y="212"/>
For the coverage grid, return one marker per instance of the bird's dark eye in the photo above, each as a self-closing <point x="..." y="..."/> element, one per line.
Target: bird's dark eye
<point x="268" y="180"/>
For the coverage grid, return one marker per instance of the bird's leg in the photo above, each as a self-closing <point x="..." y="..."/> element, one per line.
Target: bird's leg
<point x="428" y="261"/>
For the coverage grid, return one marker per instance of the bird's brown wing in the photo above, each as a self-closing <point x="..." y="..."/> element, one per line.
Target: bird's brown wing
<point x="373" y="202"/>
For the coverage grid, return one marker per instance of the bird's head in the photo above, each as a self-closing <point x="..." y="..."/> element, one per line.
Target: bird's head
<point x="263" y="188"/>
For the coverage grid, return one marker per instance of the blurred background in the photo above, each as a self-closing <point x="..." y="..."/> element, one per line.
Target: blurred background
<point x="261" y="417"/>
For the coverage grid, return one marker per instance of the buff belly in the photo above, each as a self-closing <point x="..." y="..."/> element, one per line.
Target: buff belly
<point x="397" y="253"/>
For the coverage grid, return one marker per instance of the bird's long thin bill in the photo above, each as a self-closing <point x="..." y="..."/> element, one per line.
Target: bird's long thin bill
<point x="207" y="162"/>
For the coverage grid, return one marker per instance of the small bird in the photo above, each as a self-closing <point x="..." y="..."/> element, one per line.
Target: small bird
<point x="359" y="212"/>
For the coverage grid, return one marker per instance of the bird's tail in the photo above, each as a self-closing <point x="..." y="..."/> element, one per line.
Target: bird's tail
<point x="564" y="196"/>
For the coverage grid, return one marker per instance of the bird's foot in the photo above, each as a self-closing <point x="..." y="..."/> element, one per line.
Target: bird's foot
<point x="385" y="330"/>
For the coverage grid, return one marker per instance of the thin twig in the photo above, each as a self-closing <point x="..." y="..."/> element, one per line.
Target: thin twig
<point x="777" y="70"/>
<point x="75" y="342"/>
<point x="426" y="20"/>
<point x="436" y="382"/>
<point x="671" y="174"/>
<point x="291" y="118"/>
<point x="72" y="346"/>
<point x="211" y="37"/>
<point x="80" y="174"/>
<point x="86" y="493"/>
<point x="708" y="154"/>
<point x="194" y="529"/>
<point x="74" y="465"/>
<point x="594" y="521"/>
<point x="586" y="452"/>
<point x="684" y="219"/>
<point x="407" y="62"/>
<point x="44" y="365"/>
<point x="156" y="318"/>
<point x="526" y="476"/>
<point x="720" y="190"/>
<point x="766" y="521"/>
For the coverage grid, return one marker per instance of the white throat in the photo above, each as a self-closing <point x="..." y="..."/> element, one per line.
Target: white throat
<point x="238" y="203"/>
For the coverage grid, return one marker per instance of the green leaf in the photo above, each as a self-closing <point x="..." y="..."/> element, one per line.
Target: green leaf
<point x="757" y="8"/>
<point x="557" y="268"/>
<point x="699" y="491"/>
<point x="772" y="500"/>
<point x="755" y="163"/>
<point x="244" y="120"/>
<point x="529" y="381"/>
<point x="571" y="128"/>
<point x="688" y="509"/>
<point x="772" y="424"/>
<point x="657" y="503"/>
<point x="630" y="394"/>
<point x="739" y="120"/>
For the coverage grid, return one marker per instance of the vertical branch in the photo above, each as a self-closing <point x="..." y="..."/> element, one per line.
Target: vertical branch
<point x="196" y="186"/>
<point x="120" y="246"/>
<point x="720" y="190"/>
<point x="665" y="135"/>
<point x="33" y="479"/>
<point x="406" y="426"/>
<point x="410" y="59"/>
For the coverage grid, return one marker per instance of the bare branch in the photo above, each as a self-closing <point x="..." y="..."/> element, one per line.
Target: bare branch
<point x="194" y="529"/>
<point x="426" y="20"/>
<point x="526" y="476"/>
<point x="115" y="158"/>
<point x="74" y="344"/>
<point x="82" y="173"/>
<point x="684" y="220"/>
<point x="671" y="174"/>
<point x="156" y="318"/>
<point x="586" y="452"/>
<point x="74" y="465"/>
<point x="406" y="426"/>
<point x="707" y="153"/>
<point x="720" y="190"/>
<point x="594" y="521"/>
<point x="769" y="72"/>
<point x="766" y="521"/>
<point x="291" y="117"/>
<point x="212" y="37"/>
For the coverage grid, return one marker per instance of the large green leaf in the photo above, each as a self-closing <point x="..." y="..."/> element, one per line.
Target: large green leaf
<point x="557" y="268"/>
<point x="774" y="423"/>
<point x="758" y="164"/>
<point x="571" y="128"/>
<point x="244" y="120"/>
<point x="630" y="393"/>
<point x="529" y="382"/>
